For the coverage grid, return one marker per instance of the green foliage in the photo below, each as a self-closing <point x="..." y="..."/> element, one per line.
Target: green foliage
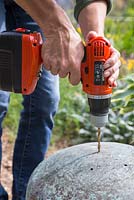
<point x="12" y="118"/>
<point x="129" y="10"/>
<point x="124" y="96"/>
<point x="121" y="32"/>
<point x="121" y="118"/>
<point x="120" y="26"/>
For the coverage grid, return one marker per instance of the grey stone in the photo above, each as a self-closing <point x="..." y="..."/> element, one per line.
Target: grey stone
<point x="80" y="173"/>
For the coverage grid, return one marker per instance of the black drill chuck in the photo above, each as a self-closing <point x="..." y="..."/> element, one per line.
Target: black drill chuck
<point x="99" y="109"/>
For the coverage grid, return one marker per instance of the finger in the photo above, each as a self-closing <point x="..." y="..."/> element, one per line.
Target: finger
<point x="45" y="58"/>
<point x="115" y="55"/>
<point x="47" y="67"/>
<point x="46" y="63"/>
<point x="74" y="77"/>
<point x="111" y="70"/>
<point x="55" y="69"/>
<point x="114" y="84"/>
<point x="112" y="79"/>
<point x="90" y="35"/>
<point x="63" y="74"/>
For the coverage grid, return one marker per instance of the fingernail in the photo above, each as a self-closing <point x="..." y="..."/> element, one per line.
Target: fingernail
<point x="115" y="84"/>
<point x="106" y="66"/>
<point x="106" y="74"/>
<point x="111" y="81"/>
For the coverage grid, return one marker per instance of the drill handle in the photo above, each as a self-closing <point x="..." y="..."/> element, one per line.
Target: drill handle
<point x="97" y="51"/>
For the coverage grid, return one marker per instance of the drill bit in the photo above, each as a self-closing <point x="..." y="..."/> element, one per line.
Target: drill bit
<point x="99" y="139"/>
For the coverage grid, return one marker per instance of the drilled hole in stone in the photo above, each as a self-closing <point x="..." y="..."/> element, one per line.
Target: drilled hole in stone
<point x="125" y="165"/>
<point x="91" y="169"/>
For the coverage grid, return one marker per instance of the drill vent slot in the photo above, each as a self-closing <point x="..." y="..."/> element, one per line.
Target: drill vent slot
<point x="5" y="59"/>
<point x="5" y="70"/>
<point x="98" y="49"/>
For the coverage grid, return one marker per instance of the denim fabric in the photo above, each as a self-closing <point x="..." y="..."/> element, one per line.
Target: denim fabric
<point x="36" y="121"/>
<point x="2" y="16"/>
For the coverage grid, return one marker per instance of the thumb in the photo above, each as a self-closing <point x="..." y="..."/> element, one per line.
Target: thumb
<point x="91" y="35"/>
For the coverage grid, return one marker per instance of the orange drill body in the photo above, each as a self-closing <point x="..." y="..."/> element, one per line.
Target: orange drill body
<point x="97" y="51"/>
<point x="31" y="61"/>
<point x="20" y="60"/>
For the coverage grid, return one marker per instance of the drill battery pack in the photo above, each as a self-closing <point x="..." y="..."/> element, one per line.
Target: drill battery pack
<point x="20" y="60"/>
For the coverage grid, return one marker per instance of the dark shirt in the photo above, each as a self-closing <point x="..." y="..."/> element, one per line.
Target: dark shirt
<point x="80" y="4"/>
<point x="7" y="2"/>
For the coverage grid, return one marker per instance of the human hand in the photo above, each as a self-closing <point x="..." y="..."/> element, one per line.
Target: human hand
<point x="112" y="65"/>
<point x="62" y="53"/>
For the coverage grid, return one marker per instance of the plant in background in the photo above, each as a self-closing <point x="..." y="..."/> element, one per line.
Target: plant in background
<point x="121" y="31"/>
<point x="130" y="65"/>
<point x="12" y="117"/>
<point x="121" y="118"/>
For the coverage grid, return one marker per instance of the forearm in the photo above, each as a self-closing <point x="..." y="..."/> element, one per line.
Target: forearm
<point x="62" y="51"/>
<point x="92" y="18"/>
<point x="47" y="13"/>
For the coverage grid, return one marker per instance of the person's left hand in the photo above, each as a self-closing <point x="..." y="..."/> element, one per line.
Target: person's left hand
<point x="112" y="65"/>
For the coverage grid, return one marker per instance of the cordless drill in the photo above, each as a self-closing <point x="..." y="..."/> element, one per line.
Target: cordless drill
<point x="20" y="69"/>
<point x="97" y="51"/>
<point x="20" y="60"/>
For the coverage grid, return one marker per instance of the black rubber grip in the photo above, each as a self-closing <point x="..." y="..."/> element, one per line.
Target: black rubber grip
<point x="11" y="61"/>
<point x="99" y="107"/>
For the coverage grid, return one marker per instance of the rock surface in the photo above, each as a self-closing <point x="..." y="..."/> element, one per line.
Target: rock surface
<point x="80" y="173"/>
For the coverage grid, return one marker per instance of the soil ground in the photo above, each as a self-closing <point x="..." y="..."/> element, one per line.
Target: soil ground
<point x="6" y="169"/>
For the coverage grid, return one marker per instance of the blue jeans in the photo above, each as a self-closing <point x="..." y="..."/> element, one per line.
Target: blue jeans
<point x="36" y="121"/>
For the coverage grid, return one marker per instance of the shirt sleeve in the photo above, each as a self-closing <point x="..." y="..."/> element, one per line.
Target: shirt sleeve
<point x="80" y="4"/>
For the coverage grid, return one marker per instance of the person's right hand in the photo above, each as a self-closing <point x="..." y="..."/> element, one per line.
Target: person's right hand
<point x="62" y="53"/>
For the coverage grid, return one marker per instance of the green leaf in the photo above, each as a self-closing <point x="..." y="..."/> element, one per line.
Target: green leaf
<point x="129" y="90"/>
